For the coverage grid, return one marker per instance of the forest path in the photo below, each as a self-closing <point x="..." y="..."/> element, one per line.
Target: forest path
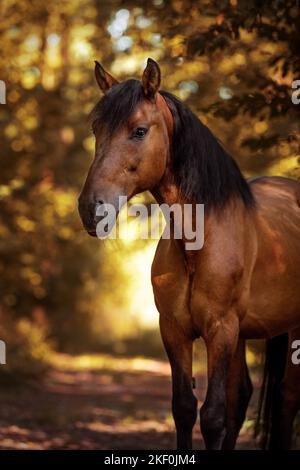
<point x="98" y="402"/>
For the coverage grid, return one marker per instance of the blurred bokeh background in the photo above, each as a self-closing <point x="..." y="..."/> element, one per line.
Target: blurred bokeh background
<point x="69" y="304"/>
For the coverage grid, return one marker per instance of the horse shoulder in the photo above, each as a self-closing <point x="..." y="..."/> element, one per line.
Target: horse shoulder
<point x="222" y="279"/>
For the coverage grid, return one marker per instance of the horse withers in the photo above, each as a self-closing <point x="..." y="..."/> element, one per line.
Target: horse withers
<point x="244" y="282"/>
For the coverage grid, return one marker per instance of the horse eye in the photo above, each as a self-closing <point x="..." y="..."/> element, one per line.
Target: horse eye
<point x="139" y="133"/>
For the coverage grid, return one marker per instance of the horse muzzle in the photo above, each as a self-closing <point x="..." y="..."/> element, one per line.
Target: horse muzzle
<point x="88" y="214"/>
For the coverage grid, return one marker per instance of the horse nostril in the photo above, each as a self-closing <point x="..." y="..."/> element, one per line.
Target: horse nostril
<point x="99" y="208"/>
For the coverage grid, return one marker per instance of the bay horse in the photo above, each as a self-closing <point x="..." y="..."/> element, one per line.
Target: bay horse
<point x="245" y="281"/>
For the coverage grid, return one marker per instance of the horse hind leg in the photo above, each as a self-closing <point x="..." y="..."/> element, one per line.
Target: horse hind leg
<point x="287" y="401"/>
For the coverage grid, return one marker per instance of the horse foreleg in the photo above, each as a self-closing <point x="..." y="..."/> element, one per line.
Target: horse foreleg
<point x="221" y="341"/>
<point x="239" y="390"/>
<point x="184" y="403"/>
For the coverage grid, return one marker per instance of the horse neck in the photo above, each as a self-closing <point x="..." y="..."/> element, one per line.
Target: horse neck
<point x="232" y="214"/>
<point x="168" y="190"/>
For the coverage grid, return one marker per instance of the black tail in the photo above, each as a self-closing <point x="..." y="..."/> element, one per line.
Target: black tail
<point x="275" y="361"/>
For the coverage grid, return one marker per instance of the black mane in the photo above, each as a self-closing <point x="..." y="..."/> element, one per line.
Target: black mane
<point x="203" y="170"/>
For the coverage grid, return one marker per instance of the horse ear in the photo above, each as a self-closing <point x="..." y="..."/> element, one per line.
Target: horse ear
<point x="151" y="78"/>
<point x="104" y="79"/>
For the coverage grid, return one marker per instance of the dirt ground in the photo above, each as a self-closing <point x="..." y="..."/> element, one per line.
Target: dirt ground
<point x="98" y="403"/>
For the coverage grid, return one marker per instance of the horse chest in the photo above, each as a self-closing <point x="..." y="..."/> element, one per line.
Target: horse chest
<point x="171" y="285"/>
